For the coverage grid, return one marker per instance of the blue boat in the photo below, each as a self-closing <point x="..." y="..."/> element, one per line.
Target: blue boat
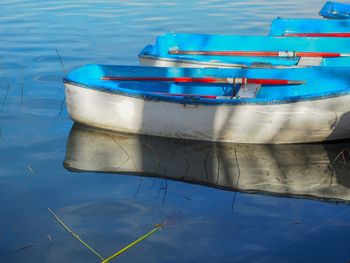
<point x="199" y="50"/>
<point x="214" y="104"/>
<point x="310" y="27"/>
<point x="336" y="10"/>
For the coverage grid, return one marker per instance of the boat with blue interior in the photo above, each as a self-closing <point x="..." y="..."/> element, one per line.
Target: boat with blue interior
<point x="335" y="10"/>
<point x="291" y="105"/>
<point x="207" y="50"/>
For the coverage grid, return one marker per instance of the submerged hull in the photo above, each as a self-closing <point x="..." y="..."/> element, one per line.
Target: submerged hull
<point x="303" y="121"/>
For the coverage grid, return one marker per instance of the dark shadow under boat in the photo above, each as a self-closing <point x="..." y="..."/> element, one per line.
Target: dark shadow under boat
<point x="314" y="171"/>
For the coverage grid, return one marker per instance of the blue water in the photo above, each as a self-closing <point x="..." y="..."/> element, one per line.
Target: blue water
<point x="110" y="210"/>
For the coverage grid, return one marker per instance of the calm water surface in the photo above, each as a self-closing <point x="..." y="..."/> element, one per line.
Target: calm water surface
<point x="112" y="189"/>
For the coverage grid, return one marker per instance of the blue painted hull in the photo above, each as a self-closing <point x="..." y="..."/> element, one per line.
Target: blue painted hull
<point x="318" y="82"/>
<point x="335" y="10"/>
<point x="281" y="27"/>
<point x="171" y="41"/>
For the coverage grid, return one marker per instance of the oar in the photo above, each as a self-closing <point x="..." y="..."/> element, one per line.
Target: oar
<point x="209" y="80"/>
<point x="288" y="54"/>
<point x="317" y="35"/>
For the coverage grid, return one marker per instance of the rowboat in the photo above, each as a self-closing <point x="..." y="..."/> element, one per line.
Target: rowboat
<point x="200" y="50"/>
<point x="336" y="10"/>
<point x="310" y="27"/>
<point x="316" y="171"/>
<point x="214" y="104"/>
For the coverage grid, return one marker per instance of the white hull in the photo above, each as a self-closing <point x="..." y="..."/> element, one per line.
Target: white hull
<point x="298" y="122"/>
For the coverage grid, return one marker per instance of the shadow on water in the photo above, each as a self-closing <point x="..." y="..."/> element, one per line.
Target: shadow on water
<point x="340" y="157"/>
<point x="315" y="171"/>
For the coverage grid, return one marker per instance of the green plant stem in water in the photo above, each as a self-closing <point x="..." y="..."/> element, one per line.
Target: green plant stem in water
<point x="107" y="260"/>
<point x="75" y="235"/>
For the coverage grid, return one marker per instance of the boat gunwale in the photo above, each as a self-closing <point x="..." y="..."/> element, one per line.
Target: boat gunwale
<point x="285" y="25"/>
<point x="213" y="63"/>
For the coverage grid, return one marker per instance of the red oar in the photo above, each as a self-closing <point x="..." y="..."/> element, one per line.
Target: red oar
<point x="317" y="35"/>
<point x="210" y="80"/>
<point x="260" y="53"/>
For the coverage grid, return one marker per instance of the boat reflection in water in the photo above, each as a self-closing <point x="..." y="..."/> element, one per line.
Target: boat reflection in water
<point x="315" y="171"/>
